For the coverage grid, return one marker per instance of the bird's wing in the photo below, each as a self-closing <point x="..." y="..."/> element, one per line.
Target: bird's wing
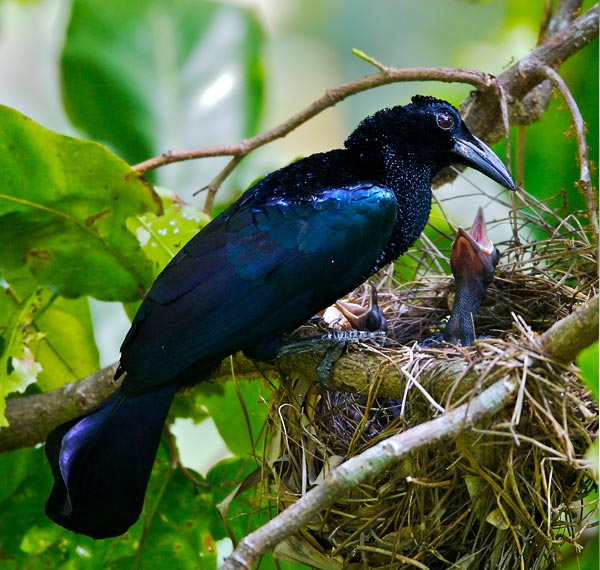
<point x="252" y="273"/>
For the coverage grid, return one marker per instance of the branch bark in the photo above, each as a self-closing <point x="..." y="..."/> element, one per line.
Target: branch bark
<point x="566" y="338"/>
<point x="31" y="418"/>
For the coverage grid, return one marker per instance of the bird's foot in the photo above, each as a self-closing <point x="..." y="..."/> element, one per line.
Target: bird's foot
<point x="334" y="343"/>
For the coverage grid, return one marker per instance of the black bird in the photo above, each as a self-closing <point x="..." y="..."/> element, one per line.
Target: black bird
<point x="473" y="261"/>
<point x="294" y="243"/>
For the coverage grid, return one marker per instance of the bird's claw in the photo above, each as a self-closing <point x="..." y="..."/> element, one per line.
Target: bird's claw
<point x="334" y="343"/>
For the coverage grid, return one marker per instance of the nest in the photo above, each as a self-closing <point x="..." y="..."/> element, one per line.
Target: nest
<point x="504" y="495"/>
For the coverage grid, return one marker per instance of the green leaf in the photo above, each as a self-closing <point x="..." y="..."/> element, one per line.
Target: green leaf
<point x="63" y="206"/>
<point x="244" y="512"/>
<point x="173" y="531"/>
<point x="587" y="360"/>
<point x="25" y="484"/>
<point x="67" y="351"/>
<point x="145" y="75"/>
<point x="176" y="534"/>
<point x="161" y="237"/>
<point x="239" y="411"/>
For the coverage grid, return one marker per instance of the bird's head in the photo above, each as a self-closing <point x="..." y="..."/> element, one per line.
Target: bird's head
<point x="474" y="257"/>
<point x="431" y="131"/>
<point x="369" y="318"/>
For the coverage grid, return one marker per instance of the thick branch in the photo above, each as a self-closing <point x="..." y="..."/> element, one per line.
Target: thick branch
<point x="569" y="336"/>
<point x="32" y="417"/>
<point x="482" y="110"/>
<point x="361" y="467"/>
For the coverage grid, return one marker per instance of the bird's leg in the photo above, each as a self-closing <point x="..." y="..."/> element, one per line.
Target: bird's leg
<point x="334" y="343"/>
<point x="369" y="324"/>
<point x="324" y="367"/>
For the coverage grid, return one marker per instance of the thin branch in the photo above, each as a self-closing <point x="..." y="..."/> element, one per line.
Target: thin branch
<point x="585" y="181"/>
<point x="361" y="467"/>
<point x="481" y="109"/>
<point x="214" y="186"/>
<point x="330" y="98"/>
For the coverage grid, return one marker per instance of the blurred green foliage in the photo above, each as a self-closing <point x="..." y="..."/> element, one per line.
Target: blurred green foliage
<point x="131" y="71"/>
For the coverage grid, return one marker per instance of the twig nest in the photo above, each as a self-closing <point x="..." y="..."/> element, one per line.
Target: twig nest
<point x="504" y="495"/>
<point x="513" y="489"/>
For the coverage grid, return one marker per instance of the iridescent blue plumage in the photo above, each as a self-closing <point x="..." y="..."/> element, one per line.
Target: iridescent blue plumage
<point x="294" y="243"/>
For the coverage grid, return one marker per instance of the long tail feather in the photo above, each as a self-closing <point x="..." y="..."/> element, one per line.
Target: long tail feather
<point x="102" y="461"/>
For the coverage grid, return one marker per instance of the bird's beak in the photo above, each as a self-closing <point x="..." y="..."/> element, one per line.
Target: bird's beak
<point x="478" y="233"/>
<point x="476" y="154"/>
<point x="364" y="318"/>
<point x="473" y="253"/>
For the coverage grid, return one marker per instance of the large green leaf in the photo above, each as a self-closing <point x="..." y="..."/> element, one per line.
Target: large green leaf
<point x="176" y="527"/>
<point x="25" y="483"/>
<point x="239" y="410"/>
<point x="173" y="531"/>
<point x="148" y="75"/>
<point x="63" y="207"/>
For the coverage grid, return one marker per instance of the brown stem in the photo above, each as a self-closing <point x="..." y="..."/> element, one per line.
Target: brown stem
<point x="585" y="181"/>
<point x="481" y="109"/>
<point x="328" y="99"/>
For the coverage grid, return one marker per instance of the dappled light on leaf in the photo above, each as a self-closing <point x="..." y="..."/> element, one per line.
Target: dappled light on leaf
<point x="63" y="206"/>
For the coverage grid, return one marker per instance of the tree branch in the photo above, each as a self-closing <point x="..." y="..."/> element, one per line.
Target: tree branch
<point x="31" y="418"/>
<point x="569" y="336"/>
<point x="360" y="467"/>
<point x="482" y="109"/>
<point x="331" y="97"/>
<point x="585" y="180"/>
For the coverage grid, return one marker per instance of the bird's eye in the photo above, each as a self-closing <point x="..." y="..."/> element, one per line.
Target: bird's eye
<point x="445" y="121"/>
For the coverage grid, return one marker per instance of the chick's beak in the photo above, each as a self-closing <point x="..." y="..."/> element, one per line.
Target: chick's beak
<point x="474" y="256"/>
<point x="369" y="318"/>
